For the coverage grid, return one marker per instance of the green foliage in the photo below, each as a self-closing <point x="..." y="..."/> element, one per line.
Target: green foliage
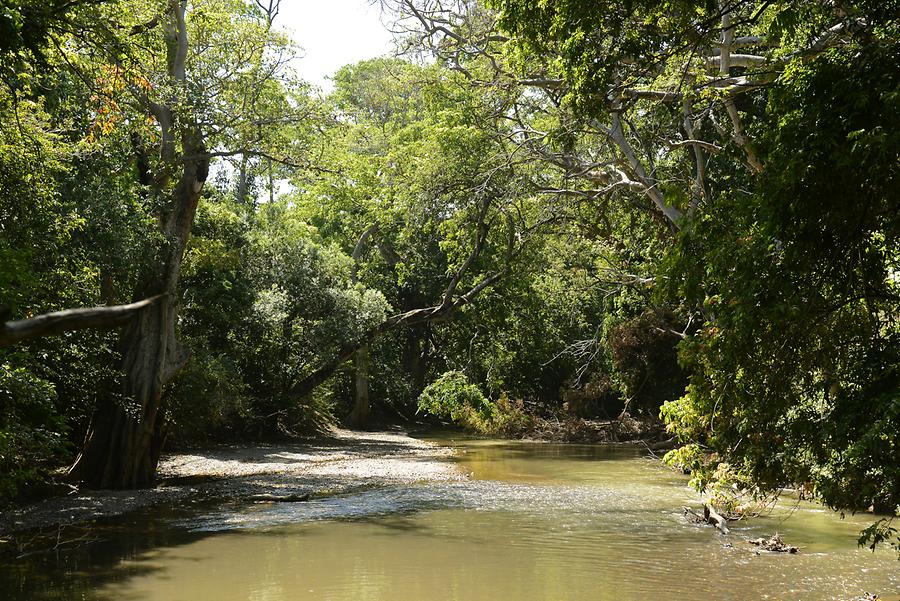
<point x="27" y="25"/>
<point x="781" y="278"/>
<point x="417" y="154"/>
<point x="209" y="400"/>
<point x="265" y="303"/>
<point x="71" y="234"/>
<point x="32" y="433"/>
<point x="588" y="38"/>
<point x="510" y="419"/>
<point x="788" y="268"/>
<point x="453" y="397"/>
<point x="881" y="532"/>
<point x="795" y="372"/>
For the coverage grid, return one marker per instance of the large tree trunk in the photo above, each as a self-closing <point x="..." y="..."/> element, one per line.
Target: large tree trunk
<point x="125" y="439"/>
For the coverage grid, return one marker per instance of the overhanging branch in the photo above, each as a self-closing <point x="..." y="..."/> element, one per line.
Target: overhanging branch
<point x="50" y="324"/>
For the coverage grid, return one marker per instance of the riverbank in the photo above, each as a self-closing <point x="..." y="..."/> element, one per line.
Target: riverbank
<point x="340" y="463"/>
<point x="566" y="428"/>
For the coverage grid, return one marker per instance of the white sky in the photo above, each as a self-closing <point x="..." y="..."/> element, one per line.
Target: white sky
<point x="332" y="34"/>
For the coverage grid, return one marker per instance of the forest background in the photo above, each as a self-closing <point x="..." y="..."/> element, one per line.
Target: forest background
<point x="680" y="209"/>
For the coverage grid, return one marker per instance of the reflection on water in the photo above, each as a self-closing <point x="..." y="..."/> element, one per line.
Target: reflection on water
<point x="536" y="522"/>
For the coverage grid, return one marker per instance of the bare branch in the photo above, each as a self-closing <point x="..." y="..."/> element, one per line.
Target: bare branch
<point x="543" y="83"/>
<point x="481" y="233"/>
<point x="748" y="40"/>
<point x="736" y="60"/>
<point x="416" y="316"/>
<point x="738" y="134"/>
<point x="651" y="188"/>
<point x="660" y="95"/>
<point x="50" y="324"/>
<point x="830" y="37"/>
<point x="707" y="146"/>
<point x="270" y="9"/>
<point x="700" y="186"/>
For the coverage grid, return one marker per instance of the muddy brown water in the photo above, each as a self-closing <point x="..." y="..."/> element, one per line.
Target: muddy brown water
<point x="534" y="522"/>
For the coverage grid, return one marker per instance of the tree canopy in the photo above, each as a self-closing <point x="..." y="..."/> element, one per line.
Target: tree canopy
<point x="683" y="210"/>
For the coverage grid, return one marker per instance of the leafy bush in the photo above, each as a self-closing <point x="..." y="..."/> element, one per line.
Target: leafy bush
<point x="511" y="418"/>
<point x="208" y="399"/>
<point x="264" y="303"/>
<point x="453" y="397"/>
<point x="32" y="433"/>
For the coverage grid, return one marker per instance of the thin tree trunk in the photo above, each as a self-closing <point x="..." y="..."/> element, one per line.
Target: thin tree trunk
<point x="271" y="185"/>
<point x="413" y="362"/>
<point x="242" y="181"/>
<point x="359" y="417"/>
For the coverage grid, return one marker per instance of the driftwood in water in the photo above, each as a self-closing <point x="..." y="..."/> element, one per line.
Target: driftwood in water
<point x="713" y="517"/>
<point x="709" y="516"/>
<point x="662" y="445"/>
<point x="279" y="498"/>
<point x="774" y="544"/>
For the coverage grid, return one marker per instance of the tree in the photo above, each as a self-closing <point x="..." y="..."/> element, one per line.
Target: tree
<point x="426" y="198"/>
<point x="743" y="127"/>
<point x="160" y="72"/>
<point x="795" y="368"/>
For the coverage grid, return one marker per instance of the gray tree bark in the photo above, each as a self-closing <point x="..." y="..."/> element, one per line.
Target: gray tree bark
<point x="124" y="441"/>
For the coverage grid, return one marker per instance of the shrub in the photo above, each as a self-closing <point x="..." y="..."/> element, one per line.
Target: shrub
<point x="32" y="433"/>
<point x="453" y="397"/>
<point x="511" y="419"/>
<point x="208" y="400"/>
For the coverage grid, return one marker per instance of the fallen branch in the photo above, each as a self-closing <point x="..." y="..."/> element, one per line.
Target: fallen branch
<point x="714" y="518"/>
<point x="279" y="498"/>
<point x="709" y="516"/>
<point x="60" y="543"/>
<point x="662" y="445"/>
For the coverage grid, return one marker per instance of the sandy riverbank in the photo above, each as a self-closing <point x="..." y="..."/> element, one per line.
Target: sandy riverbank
<point x="342" y="462"/>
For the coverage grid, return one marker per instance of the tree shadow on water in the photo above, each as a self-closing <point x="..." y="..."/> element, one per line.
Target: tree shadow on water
<point x="78" y="561"/>
<point x="84" y="561"/>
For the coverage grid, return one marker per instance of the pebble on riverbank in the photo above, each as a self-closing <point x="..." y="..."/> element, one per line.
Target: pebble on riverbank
<point x="343" y="462"/>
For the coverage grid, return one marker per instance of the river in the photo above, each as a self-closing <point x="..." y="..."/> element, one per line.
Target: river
<point x="534" y="522"/>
